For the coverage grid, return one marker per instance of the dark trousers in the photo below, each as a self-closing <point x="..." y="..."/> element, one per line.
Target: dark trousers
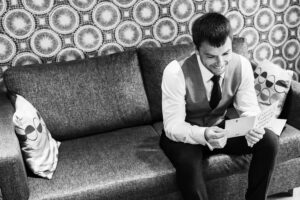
<point x="187" y="159"/>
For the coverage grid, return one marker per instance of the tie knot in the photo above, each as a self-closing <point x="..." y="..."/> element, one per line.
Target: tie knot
<point x="215" y="78"/>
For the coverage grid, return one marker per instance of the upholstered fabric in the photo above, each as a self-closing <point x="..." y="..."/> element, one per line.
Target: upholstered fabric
<point x="289" y="142"/>
<point x="124" y="164"/>
<point x="39" y="149"/>
<point x="239" y="46"/>
<point x="234" y="186"/>
<point x="291" y="108"/>
<point x="153" y="62"/>
<point x="13" y="181"/>
<point x="83" y="97"/>
<point x="158" y="127"/>
<point x="286" y="176"/>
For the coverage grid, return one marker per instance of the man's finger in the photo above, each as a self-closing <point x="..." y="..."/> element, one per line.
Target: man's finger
<point x="252" y="139"/>
<point x="259" y="131"/>
<point x="218" y="129"/>
<point x="255" y="134"/>
<point x="217" y="135"/>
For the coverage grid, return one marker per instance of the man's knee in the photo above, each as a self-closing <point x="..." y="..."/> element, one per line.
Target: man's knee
<point x="269" y="143"/>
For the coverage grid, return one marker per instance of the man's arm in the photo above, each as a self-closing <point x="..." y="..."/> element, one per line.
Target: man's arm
<point x="173" y="107"/>
<point x="245" y="101"/>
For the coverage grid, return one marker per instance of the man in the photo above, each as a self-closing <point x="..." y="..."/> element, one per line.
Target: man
<point x="196" y="92"/>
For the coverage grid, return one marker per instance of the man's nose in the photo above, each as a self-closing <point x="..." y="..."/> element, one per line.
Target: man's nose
<point x="220" y="61"/>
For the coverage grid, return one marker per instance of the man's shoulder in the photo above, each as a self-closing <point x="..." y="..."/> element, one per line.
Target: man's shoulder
<point x="182" y="59"/>
<point x="240" y="57"/>
<point x="239" y="61"/>
<point x="173" y="68"/>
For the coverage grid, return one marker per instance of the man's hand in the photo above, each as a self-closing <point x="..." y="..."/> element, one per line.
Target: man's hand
<point x="253" y="136"/>
<point x="216" y="136"/>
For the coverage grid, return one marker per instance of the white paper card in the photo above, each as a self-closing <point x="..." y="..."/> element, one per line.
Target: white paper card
<point x="265" y="117"/>
<point x="240" y="126"/>
<point x="276" y="126"/>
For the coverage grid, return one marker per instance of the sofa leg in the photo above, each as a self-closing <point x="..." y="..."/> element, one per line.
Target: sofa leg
<point x="290" y="192"/>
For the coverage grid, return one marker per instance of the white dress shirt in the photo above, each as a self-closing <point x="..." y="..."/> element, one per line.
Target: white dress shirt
<point x="173" y="100"/>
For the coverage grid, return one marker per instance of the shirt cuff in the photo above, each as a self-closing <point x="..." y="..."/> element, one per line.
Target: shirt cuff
<point x="197" y="135"/>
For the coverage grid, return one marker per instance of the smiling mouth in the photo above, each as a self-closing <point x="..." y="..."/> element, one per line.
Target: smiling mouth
<point x="216" y="67"/>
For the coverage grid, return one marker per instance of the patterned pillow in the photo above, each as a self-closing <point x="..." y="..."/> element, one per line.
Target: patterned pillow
<point x="39" y="149"/>
<point x="272" y="84"/>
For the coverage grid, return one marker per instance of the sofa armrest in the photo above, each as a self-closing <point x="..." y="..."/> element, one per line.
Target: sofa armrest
<point x="13" y="181"/>
<point x="291" y="107"/>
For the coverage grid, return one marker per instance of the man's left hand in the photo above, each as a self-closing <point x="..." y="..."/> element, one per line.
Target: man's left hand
<point x="253" y="136"/>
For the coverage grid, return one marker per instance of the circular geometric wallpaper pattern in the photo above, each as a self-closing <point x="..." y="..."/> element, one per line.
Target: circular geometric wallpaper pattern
<point x="45" y="31"/>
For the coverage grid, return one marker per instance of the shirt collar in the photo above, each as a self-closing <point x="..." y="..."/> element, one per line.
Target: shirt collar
<point x="206" y="74"/>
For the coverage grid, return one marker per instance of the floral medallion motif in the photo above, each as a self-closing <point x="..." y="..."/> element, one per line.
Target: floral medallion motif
<point x="278" y="35"/>
<point x="38" y="6"/>
<point x="110" y="48"/>
<point x="18" y="23"/>
<point x="45" y="43"/>
<point x="182" y="10"/>
<point x="106" y="16"/>
<point x="26" y="58"/>
<point x="165" y="30"/>
<point x="64" y="19"/>
<point x="83" y="5"/>
<point x="88" y="38"/>
<point x="128" y="34"/>
<point x="145" y="12"/>
<point x="291" y="49"/>
<point x="7" y="48"/>
<point x="263" y="51"/>
<point x="69" y="54"/>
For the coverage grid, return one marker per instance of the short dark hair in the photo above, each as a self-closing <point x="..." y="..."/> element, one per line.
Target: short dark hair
<point x="213" y="28"/>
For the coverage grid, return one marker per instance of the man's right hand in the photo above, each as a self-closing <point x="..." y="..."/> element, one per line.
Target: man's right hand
<point x="216" y="136"/>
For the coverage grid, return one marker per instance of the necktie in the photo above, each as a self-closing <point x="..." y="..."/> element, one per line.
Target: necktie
<point x="216" y="94"/>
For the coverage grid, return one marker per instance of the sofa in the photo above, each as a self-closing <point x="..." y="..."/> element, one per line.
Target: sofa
<point x="106" y="111"/>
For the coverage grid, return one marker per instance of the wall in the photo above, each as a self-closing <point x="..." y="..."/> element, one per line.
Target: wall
<point x="45" y="31"/>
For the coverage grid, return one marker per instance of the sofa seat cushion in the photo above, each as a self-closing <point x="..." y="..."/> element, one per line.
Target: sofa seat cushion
<point x="123" y="164"/>
<point x="222" y="165"/>
<point x="158" y="127"/>
<point x="289" y="144"/>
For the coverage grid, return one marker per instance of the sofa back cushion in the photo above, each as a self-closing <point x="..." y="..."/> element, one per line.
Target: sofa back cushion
<point x="154" y="60"/>
<point x="83" y="97"/>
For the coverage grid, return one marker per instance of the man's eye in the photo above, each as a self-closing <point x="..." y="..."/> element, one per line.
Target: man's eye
<point x="226" y="53"/>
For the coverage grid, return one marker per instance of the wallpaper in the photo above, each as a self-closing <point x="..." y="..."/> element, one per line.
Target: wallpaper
<point x="45" y="31"/>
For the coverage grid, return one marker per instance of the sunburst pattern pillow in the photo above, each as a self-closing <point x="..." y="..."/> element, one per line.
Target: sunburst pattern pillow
<point x="272" y="84"/>
<point x="39" y="149"/>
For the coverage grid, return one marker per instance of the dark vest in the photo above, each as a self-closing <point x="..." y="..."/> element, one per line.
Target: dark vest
<point x="198" y="111"/>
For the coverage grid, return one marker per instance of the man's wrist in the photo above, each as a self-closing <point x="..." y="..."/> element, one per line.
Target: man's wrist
<point x="197" y="134"/>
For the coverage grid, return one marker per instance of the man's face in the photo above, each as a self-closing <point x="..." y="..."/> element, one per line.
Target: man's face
<point x="216" y="59"/>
